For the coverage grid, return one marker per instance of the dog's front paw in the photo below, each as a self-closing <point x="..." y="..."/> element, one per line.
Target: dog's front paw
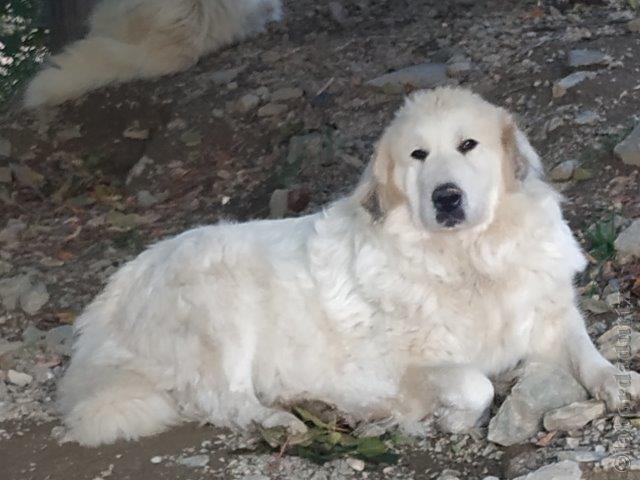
<point x="617" y="389"/>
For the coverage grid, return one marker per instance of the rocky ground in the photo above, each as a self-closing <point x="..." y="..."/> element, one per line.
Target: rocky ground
<point x="277" y="126"/>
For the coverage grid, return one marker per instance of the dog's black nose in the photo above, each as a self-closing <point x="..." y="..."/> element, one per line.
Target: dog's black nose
<point x="447" y="198"/>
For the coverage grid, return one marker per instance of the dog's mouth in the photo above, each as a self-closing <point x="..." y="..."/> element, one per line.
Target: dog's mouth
<point x="451" y="218"/>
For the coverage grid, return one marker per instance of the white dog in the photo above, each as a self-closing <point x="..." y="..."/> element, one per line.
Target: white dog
<point x="131" y="39"/>
<point x="450" y="263"/>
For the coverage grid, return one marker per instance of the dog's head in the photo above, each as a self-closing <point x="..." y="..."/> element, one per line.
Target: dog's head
<point x="448" y="156"/>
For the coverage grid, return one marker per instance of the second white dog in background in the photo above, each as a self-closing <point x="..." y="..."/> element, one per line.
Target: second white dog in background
<point x="133" y="39"/>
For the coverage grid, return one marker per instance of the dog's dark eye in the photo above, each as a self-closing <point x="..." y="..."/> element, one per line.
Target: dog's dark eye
<point x="467" y="145"/>
<point x="419" y="154"/>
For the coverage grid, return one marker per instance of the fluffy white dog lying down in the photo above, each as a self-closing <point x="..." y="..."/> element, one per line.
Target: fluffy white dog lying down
<point x="131" y="39"/>
<point x="450" y="262"/>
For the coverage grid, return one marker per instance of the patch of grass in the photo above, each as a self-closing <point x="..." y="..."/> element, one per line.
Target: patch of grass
<point x="328" y="437"/>
<point x="601" y="237"/>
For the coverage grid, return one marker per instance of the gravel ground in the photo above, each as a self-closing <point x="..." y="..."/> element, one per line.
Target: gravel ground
<point x="277" y="126"/>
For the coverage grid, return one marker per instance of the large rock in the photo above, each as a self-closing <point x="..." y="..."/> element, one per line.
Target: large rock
<point x="565" y="470"/>
<point x="60" y="339"/>
<point x="563" y="171"/>
<point x="628" y="242"/>
<point x="574" y="416"/>
<point x="34" y="299"/>
<point x="628" y="150"/>
<point x="426" y="75"/>
<point x="11" y="289"/>
<point x="541" y="388"/>
<point x="619" y="343"/>
<point x="587" y="58"/>
<point x="21" y="291"/>
<point x="11" y="233"/>
<point x="634" y="25"/>
<point x="560" y="87"/>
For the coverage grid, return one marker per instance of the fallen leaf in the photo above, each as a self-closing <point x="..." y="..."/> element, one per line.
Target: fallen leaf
<point x="64" y="255"/>
<point x="594" y="306"/>
<point x="66" y="317"/>
<point x="191" y="138"/>
<point x="546" y="439"/>
<point x="27" y="176"/>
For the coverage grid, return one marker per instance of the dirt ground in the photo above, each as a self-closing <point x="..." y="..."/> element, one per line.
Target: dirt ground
<point x="94" y="181"/>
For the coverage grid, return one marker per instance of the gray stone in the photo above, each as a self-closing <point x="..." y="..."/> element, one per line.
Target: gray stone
<point x="426" y="75"/>
<point x="619" y="343"/>
<point x="286" y="94"/>
<point x="586" y="58"/>
<point x="272" y="110"/>
<point x="449" y="475"/>
<point x="356" y="464"/>
<point x="135" y="132"/>
<point x="34" y="299"/>
<point x="459" y="68"/>
<point x="12" y="289"/>
<point x="338" y="12"/>
<point x="247" y="102"/>
<point x="196" y="461"/>
<point x="278" y="203"/>
<point x="565" y="470"/>
<point x="60" y="340"/>
<point x="5" y="175"/>
<point x="144" y="164"/>
<point x="587" y="117"/>
<point x="634" y="25"/>
<point x="5" y="147"/>
<point x="628" y="242"/>
<point x="554" y="124"/>
<point x="560" y="87"/>
<point x="581" y="456"/>
<point x="19" y="379"/>
<point x="619" y="463"/>
<point x="11" y="232"/>
<point x="628" y="150"/>
<point x="563" y="171"/>
<point x="33" y="335"/>
<point x="222" y="77"/>
<point x="541" y="388"/>
<point x="9" y="347"/>
<point x="574" y="416"/>
<point x="147" y="199"/>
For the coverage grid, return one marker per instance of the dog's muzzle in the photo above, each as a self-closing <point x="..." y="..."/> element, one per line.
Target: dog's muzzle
<point x="447" y="201"/>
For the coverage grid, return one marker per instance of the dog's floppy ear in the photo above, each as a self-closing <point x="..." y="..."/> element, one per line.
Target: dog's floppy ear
<point x="520" y="158"/>
<point x="377" y="192"/>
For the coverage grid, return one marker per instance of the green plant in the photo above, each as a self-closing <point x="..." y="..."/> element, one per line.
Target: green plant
<point x="328" y="438"/>
<point x="601" y="237"/>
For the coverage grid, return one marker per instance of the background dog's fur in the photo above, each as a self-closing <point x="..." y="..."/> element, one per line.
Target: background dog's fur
<point x="132" y="39"/>
<point x="378" y="314"/>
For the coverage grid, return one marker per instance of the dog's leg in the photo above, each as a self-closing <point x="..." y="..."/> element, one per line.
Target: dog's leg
<point x="568" y="342"/>
<point x="457" y="395"/>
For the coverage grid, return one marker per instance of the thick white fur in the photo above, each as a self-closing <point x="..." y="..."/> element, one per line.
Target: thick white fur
<point x="132" y="39"/>
<point x="382" y="316"/>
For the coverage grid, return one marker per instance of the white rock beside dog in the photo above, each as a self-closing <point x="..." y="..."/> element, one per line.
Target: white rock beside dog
<point x="449" y="263"/>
